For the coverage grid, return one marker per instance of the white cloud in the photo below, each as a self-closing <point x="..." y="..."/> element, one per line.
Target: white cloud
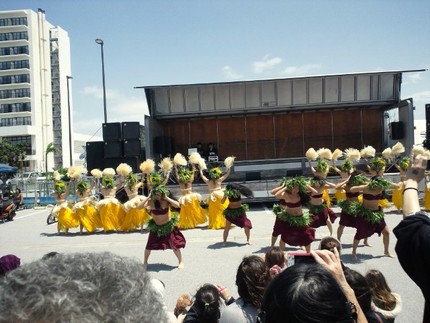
<point x="266" y="64"/>
<point x="97" y="92"/>
<point x="300" y="70"/>
<point x="229" y="73"/>
<point x="421" y="96"/>
<point x="413" y="77"/>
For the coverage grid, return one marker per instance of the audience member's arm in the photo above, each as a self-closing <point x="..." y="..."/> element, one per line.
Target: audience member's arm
<point x="331" y="261"/>
<point x="414" y="175"/>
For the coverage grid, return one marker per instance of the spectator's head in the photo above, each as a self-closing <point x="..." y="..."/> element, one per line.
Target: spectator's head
<point x="81" y="287"/>
<point x="8" y="263"/>
<point x="306" y="293"/>
<point x="361" y="289"/>
<point x="18" y="190"/>
<point x="251" y="280"/>
<point x="329" y="243"/>
<point x="182" y="303"/>
<point x="381" y="292"/>
<point x="207" y="303"/>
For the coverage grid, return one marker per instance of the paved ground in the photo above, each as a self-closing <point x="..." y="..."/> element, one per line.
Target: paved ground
<point x="29" y="237"/>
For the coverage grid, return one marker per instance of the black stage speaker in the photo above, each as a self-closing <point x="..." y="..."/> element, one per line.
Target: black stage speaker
<point x="131" y="148"/>
<point x="397" y="130"/>
<point x="112" y="131"/>
<point x="134" y="162"/>
<point x="163" y="145"/>
<point x="94" y="153"/>
<point x="130" y="130"/>
<point x="252" y="176"/>
<point x="112" y="149"/>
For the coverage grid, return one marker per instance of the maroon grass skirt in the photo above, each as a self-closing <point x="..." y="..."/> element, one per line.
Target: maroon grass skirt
<point x="173" y="240"/>
<point x="293" y="236"/>
<point x="347" y="220"/>
<point x="320" y="219"/>
<point x="366" y="229"/>
<point x="241" y="221"/>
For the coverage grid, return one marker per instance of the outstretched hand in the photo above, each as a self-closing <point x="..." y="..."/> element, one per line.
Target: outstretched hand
<point x="417" y="167"/>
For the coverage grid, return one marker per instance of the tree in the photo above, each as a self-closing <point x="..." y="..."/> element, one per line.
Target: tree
<point x="49" y="149"/>
<point x="12" y="154"/>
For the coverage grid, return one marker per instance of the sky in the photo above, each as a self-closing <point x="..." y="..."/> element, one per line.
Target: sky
<point x="162" y="42"/>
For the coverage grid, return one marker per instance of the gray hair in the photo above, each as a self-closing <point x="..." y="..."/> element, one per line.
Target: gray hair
<point x="80" y="287"/>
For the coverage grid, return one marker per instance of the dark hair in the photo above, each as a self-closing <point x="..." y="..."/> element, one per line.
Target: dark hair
<point x="306" y="293"/>
<point x="361" y="289"/>
<point x="251" y="280"/>
<point x="49" y="255"/>
<point x="381" y="292"/>
<point x="243" y="190"/>
<point x="207" y="303"/>
<point x="274" y="256"/>
<point x="329" y="243"/>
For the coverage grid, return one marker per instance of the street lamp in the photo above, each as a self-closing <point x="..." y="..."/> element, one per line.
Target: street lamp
<point x="101" y="43"/>
<point x="70" y="120"/>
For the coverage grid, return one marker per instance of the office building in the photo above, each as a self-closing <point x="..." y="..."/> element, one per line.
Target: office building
<point x="35" y="90"/>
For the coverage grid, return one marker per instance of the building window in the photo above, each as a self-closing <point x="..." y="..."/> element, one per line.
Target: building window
<point x="18" y="121"/>
<point x="14" y="36"/>
<point x="15" y="107"/>
<point x="11" y="79"/>
<point x="5" y="51"/>
<point x="14" y="64"/>
<point x="18" y="21"/>
<point x="17" y="93"/>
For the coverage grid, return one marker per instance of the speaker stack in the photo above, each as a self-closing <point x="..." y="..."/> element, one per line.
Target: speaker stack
<point x="121" y="144"/>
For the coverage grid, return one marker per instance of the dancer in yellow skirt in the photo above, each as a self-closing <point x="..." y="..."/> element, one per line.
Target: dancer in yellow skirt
<point x="62" y="211"/>
<point x="110" y="209"/>
<point x="85" y="209"/>
<point x="191" y="213"/>
<point x="215" y="206"/>
<point x="134" y="217"/>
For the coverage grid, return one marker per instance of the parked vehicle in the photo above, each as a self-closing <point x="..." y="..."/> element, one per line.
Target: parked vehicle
<point x="8" y="210"/>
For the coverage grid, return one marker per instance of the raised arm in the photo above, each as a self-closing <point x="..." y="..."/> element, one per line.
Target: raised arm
<point x="172" y="202"/>
<point x="359" y="188"/>
<point x="414" y="175"/>
<point x="203" y="177"/>
<point x="226" y="175"/>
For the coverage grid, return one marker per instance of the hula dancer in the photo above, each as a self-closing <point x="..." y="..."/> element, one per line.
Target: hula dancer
<point x="236" y="211"/>
<point x="397" y="197"/>
<point x="191" y="213"/>
<point x="292" y="223"/>
<point x="370" y="219"/>
<point x="62" y="211"/>
<point x="135" y="217"/>
<point x="215" y="206"/>
<point x="351" y="206"/>
<point x="110" y="210"/>
<point x="163" y="231"/>
<point x="85" y="207"/>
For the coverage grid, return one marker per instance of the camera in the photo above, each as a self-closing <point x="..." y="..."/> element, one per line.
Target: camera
<point x="299" y="257"/>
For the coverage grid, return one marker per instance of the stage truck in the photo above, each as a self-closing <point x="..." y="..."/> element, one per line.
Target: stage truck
<point x="269" y="124"/>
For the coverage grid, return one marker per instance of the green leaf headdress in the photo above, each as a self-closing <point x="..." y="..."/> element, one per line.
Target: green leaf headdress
<point x="185" y="175"/>
<point x="108" y="182"/>
<point x="82" y="186"/>
<point x="404" y="163"/>
<point x="322" y="166"/>
<point x="346" y="166"/>
<point x="298" y="181"/>
<point x="377" y="164"/>
<point x="131" y="179"/>
<point x="155" y="179"/>
<point x="160" y="189"/>
<point x="60" y="187"/>
<point x="215" y="173"/>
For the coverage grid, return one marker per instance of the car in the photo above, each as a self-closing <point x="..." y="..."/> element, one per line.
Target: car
<point x="25" y="178"/>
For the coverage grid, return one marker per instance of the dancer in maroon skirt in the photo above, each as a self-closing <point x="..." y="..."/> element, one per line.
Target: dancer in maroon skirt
<point x="370" y="219"/>
<point x="292" y="223"/>
<point x="236" y="211"/>
<point x="351" y="205"/>
<point x="320" y="212"/>
<point x="163" y="232"/>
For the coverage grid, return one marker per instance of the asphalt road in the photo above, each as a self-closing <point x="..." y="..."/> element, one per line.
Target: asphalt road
<point x="206" y="261"/>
